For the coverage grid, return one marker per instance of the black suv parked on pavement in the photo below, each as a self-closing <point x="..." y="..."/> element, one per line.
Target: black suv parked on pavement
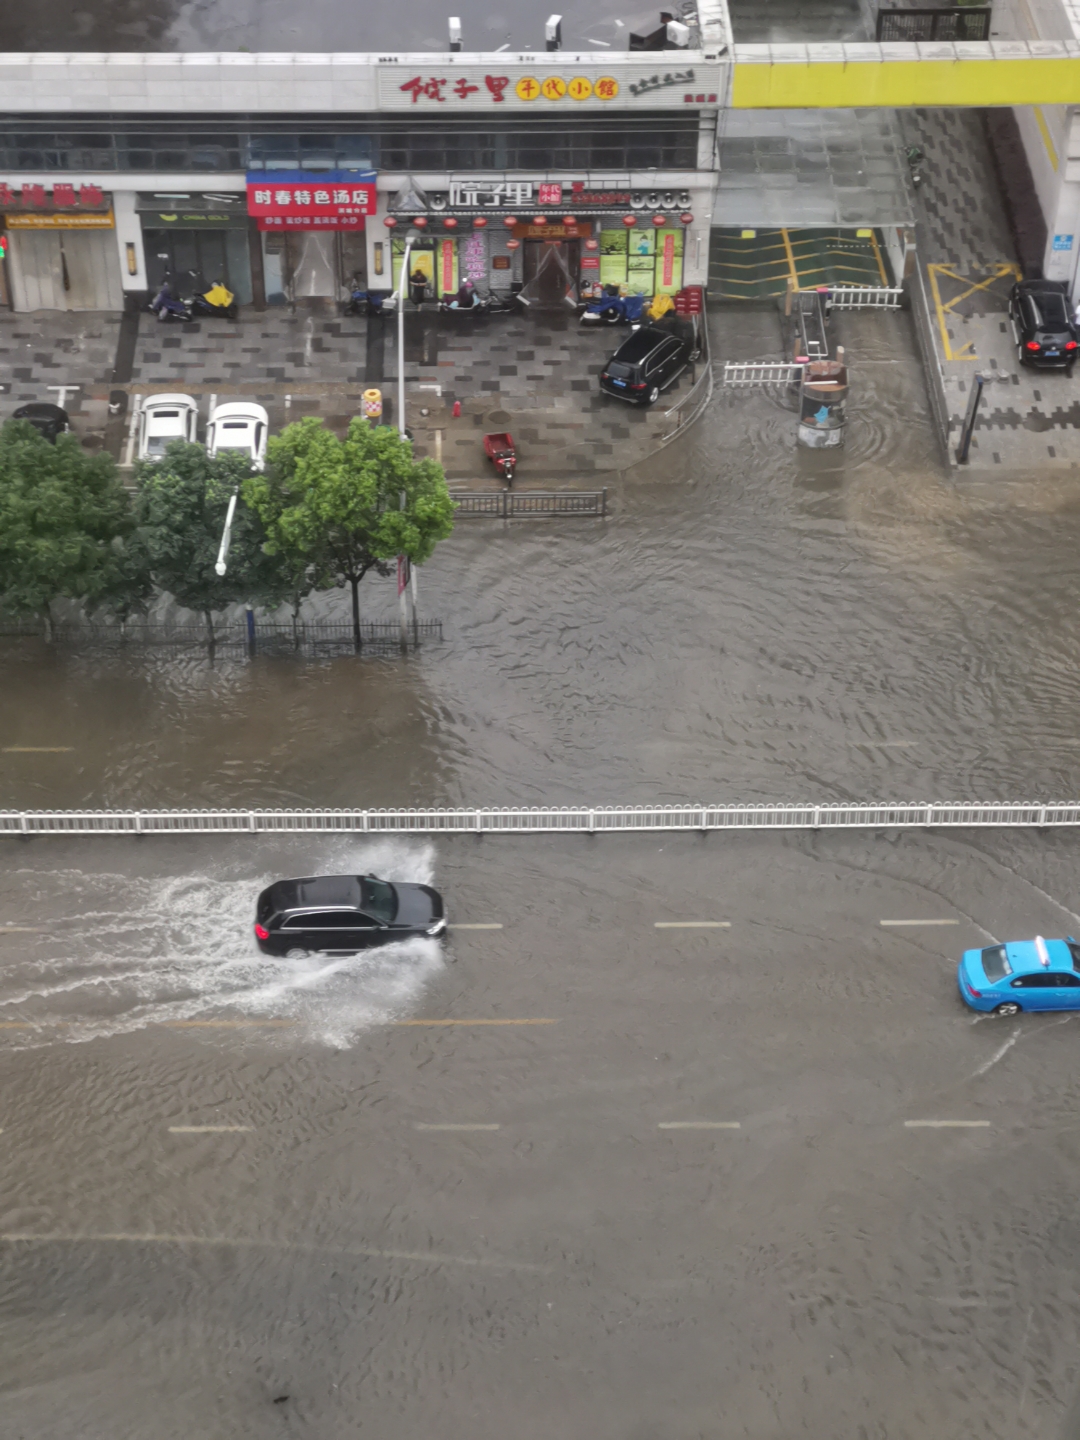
<point x="343" y="914"/>
<point x="1042" y="325"/>
<point x="644" y="365"/>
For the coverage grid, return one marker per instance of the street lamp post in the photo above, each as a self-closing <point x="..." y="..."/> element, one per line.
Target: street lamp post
<point x="402" y="291"/>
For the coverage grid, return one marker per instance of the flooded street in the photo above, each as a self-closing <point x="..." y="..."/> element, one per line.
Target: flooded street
<point x="579" y="1170"/>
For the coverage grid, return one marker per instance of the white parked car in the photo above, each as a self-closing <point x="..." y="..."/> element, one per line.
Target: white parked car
<point x="164" y="418"/>
<point x="239" y="425"/>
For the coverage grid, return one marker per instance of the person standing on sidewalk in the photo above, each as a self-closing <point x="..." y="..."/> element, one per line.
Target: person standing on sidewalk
<point x="417" y="286"/>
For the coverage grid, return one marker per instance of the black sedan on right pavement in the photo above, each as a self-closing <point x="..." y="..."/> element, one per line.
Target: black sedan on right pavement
<point x="644" y="365"/>
<point x="1042" y="324"/>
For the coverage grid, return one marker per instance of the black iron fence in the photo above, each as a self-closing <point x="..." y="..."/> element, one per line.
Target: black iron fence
<point x="957" y="22"/>
<point x="270" y="638"/>
<point x="505" y="504"/>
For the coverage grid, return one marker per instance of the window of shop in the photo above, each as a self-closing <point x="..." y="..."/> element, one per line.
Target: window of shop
<point x="180" y="143"/>
<point x="647" y="261"/>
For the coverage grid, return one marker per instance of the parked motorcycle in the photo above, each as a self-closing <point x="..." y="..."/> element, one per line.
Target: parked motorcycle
<point x="218" y="300"/>
<point x="615" y="310"/>
<point x="366" y="302"/>
<point x="168" y="306"/>
<point x="915" y="159"/>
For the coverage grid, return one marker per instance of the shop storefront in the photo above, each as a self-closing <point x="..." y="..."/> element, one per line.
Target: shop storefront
<point x="311" y="226"/>
<point x="61" y="247"/>
<point x="551" y="240"/>
<point x="205" y="235"/>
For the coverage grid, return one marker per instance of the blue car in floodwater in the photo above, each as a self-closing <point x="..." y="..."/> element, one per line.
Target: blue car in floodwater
<point x="1022" y="975"/>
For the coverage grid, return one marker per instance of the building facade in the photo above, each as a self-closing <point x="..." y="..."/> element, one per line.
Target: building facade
<point x="291" y="177"/>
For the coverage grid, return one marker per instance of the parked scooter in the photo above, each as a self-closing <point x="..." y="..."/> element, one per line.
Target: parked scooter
<point x="915" y="159"/>
<point x="218" y="300"/>
<point x="465" y="302"/>
<point x="615" y="309"/>
<point x="366" y="302"/>
<point x="168" y="306"/>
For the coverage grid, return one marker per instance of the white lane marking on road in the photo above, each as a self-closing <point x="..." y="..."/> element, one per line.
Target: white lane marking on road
<point x="692" y="924"/>
<point x="423" y="1257"/>
<point x="998" y="1054"/>
<point x="38" y="749"/>
<point x="946" y="1124"/>
<point x="23" y="930"/>
<point x="887" y="923"/>
<point x="397" y="1024"/>
<point x="419" y="1126"/>
<point x="208" y="1129"/>
<point x="475" y="927"/>
<point x="699" y="1125"/>
<point x="885" y="744"/>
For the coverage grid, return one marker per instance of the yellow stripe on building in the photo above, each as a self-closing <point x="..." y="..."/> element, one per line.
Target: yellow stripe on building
<point x="761" y="84"/>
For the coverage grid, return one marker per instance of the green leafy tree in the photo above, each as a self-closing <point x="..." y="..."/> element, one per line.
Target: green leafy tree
<point x="180" y="512"/>
<point x="336" y="509"/>
<point x="65" y="528"/>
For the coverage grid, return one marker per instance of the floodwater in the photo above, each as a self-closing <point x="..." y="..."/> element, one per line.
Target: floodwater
<point x="753" y="622"/>
<point x="434" y="1189"/>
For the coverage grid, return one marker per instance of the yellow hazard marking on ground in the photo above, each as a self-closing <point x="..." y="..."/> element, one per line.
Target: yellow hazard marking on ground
<point x="793" y="272"/>
<point x="1044" y="129"/>
<point x="1000" y="271"/>
<point x="880" y="262"/>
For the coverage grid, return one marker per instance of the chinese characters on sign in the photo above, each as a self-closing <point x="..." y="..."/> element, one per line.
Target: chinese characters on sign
<point x="441" y="89"/>
<point x="659" y="82"/>
<point x="334" y="200"/>
<point x="492" y="194"/>
<point x="61" y="197"/>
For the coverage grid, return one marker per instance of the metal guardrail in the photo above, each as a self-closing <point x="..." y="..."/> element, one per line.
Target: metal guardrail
<point x="954" y="22"/>
<point x="762" y="372"/>
<point x="541" y="820"/>
<point x="270" y="636"/>
<point x="865" y="297"/>
<point x="506" y="504"/>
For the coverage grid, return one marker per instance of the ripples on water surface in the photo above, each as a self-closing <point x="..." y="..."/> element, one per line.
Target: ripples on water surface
<point x="754" y="622"/>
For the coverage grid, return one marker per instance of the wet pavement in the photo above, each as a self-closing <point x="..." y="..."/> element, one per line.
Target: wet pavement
<point x="752" y="622"/>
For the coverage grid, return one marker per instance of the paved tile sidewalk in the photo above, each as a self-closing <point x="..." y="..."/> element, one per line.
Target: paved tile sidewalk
<point x="534" y="375"/>
<point x="1029" y="420"/>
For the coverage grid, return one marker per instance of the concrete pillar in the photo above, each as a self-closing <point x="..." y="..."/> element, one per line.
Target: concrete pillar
<point x="1063" y="212"/>
<point x="129" y="241"/>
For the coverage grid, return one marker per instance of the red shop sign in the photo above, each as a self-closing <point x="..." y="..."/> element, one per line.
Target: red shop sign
<point x="294" y="195"/>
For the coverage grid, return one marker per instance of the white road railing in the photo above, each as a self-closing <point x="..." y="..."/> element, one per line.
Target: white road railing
<point x="762" y="372"/>
<point x="540" y="820"/>
<point x="865" y="297"/>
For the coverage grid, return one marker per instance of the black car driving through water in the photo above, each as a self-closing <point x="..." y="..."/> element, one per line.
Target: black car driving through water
<point x="1042" y="325"/>
<point x="344" y="913"/>
<point x="644" y="365"/>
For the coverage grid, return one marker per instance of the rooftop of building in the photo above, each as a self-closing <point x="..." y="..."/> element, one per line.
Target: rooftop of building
<point x="321" y="25"/>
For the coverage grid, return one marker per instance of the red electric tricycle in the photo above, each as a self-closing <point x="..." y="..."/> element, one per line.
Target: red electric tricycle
<point x="500" y="451"/>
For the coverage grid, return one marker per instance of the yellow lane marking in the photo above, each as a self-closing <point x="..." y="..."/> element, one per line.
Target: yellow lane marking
<point x="208" y="1129"/>
<point x="455" y="1127"/>
<point x="692" y="925"/>
<point x="999" y="271"/>
<point x="1047" y="140"/>
<point x="402" y="1023"/>
<point x="880" y="262"/>
<point x="422" y="1257"/>
<point x="23" y="930"/>
<point x="793" y="272"/>
<point x="38" y="749"/>
<point x="699" y="1125"/>
<point x="946" y="1124"/>
<point x="224" y="1024"/>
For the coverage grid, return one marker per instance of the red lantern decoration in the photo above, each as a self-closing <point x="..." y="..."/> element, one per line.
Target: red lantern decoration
<point x="420" y="222"/>
<point x="686" y="218"/>
<point x="390" y="221"/>
<point x="629" y="220"/>
<point x="592" y="244"/>
<point x="659" y="220"/>
<point x="450" y="223"/>
<point x="513" y="244"/>
<point x="569" y="219"/>
<point x="510" y="221"/>
<point x="479" y="221"/>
